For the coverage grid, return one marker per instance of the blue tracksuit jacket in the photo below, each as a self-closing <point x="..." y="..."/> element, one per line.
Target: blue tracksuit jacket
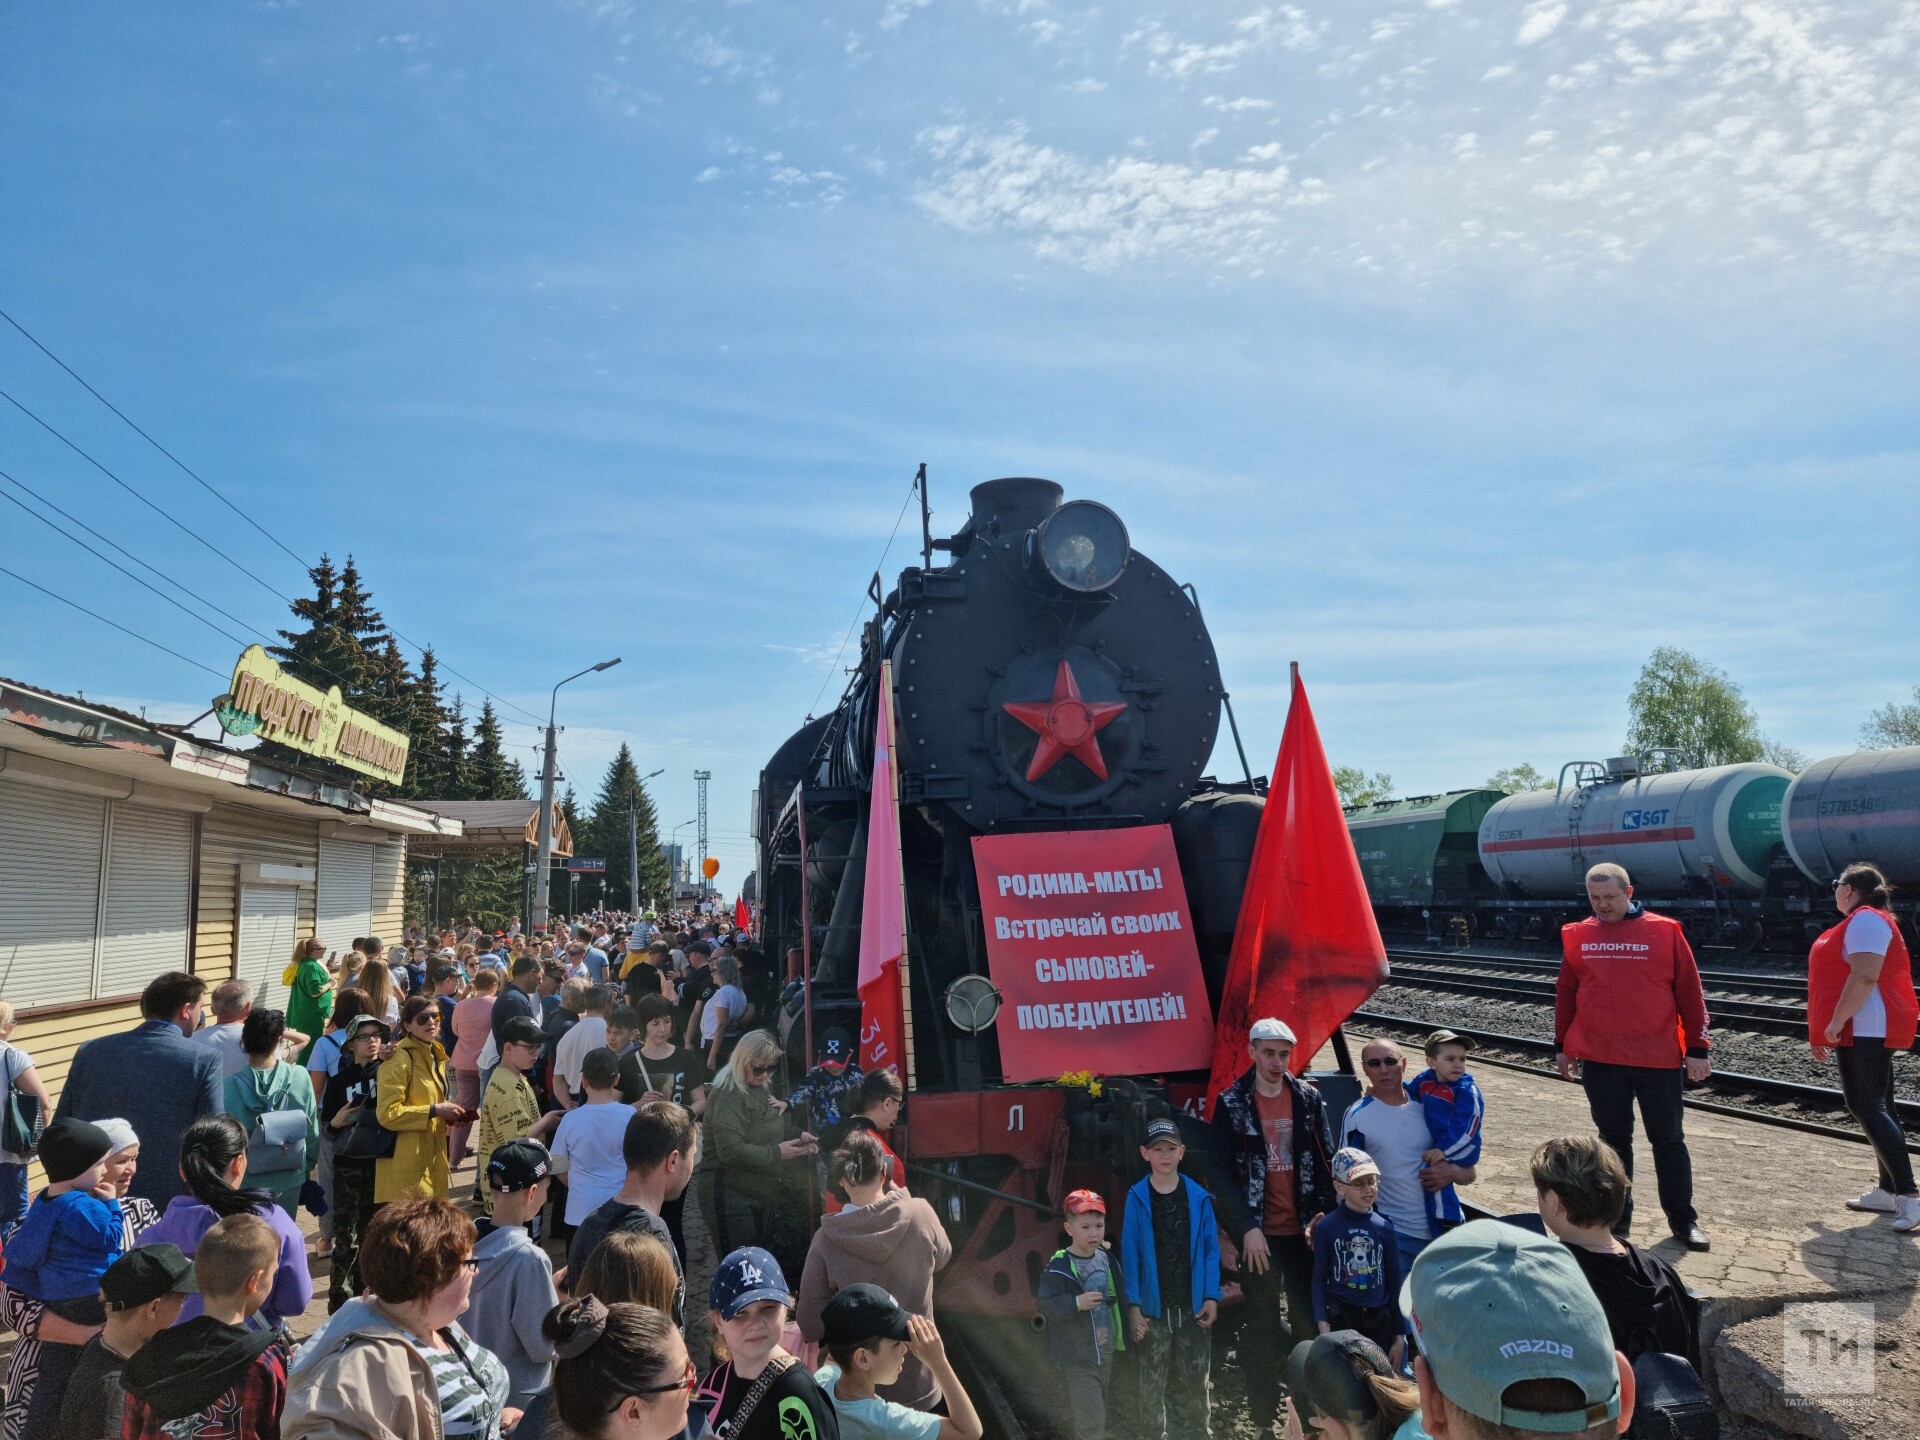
<point x="1454" y="1113"/>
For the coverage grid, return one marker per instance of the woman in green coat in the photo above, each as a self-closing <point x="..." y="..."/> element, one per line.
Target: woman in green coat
<point x="752" y="1181"/>
<point x="309" y="992"/>
<point x="269" y="1085"/>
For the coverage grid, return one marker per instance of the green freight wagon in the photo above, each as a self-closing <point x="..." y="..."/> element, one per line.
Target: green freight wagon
<point x="1421" y="857"/>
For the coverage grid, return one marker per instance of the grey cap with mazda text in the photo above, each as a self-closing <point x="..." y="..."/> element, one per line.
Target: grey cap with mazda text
<point x="1493" y="1305"/>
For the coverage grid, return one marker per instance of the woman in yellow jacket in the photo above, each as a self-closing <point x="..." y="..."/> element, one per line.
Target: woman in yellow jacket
<point x="411" y="1099"/>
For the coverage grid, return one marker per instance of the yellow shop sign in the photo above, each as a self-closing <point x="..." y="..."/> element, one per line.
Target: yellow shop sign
<point x="268" y="702"/>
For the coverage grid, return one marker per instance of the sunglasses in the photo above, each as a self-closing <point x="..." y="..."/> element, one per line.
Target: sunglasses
<point x="686" y="1382"/>
<point x="763" y="1069"/>
<point x="1383" y="1062"/>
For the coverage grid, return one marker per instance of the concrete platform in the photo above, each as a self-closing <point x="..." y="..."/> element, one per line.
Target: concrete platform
<point x="1772" y="1200"/>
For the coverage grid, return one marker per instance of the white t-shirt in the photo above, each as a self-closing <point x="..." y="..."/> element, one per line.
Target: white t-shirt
<point x="224" y="1040"/>
<point x="1868" y="934"/>
<point x="590" y="1033"/>
<point x="591" y="1140"/>
<point x="1396" y="1136"/>
<point x="733" y="1000"/>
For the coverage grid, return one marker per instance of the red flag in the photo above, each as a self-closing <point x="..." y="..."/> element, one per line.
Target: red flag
<point x="742" y="916"/>
<point x="883" y="905"/>
<point x="1306" y="950"/>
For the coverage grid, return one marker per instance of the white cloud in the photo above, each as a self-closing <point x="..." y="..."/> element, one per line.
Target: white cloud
<point x="1103" y="213"/>
<point x="896" y="12"/>
<point x="1286" y="27"/>
<point x="1700" y="136"/>
<point x="1086" y="85"/>
<point x="1539" y="20"/>
<point x="711" y="173"/>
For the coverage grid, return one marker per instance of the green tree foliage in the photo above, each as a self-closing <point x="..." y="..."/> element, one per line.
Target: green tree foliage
<point x="1518" y="778"/>
<point x="1776" y="752"/>
<point x="1687" y="706"/>
<point x="1356" y="787"/>
<point x="605" y="834"/>
<point x="492" y="775"/>
<point x="1895" y="723"/>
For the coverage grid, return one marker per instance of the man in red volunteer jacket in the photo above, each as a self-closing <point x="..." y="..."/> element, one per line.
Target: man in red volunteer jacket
<point x="1630" y="1023"/>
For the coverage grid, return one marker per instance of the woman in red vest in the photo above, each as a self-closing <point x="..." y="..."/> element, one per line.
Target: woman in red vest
<point x="1861" y="1005"/>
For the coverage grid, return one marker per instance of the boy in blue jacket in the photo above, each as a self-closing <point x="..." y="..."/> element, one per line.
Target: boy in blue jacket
<point x="1078" y="1299"/>
<point x="1170" y="1275"/>
<point x="71" y="1235"/>
<point x="1454" y="1109"/>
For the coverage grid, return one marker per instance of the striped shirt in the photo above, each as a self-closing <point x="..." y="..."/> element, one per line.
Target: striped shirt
<point x="471" y="1385"/>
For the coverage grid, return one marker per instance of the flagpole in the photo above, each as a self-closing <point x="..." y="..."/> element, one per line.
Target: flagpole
<point x="893" y="789"/>
<point x="806" y="918"/>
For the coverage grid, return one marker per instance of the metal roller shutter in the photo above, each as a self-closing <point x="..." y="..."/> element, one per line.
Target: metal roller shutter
<point x="343" y="905"/>
<point x="50" y="856"/>
<point x="149" y="877"/>
<point x="268" y="915"/>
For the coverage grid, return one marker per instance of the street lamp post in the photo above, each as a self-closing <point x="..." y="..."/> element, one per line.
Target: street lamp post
<point x="633" y="845"/>
<point x="674" y="838"/>
<point x="543" y="859"/>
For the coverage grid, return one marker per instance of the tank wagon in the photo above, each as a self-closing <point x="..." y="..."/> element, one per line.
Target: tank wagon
<point x="1740" y="854"/>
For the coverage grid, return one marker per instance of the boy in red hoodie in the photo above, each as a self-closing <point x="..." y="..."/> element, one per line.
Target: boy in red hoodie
<point x="213" y="1377"/>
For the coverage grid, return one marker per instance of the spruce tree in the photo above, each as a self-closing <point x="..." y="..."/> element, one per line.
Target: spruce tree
<point x="458" y="778"/>
<point x="606" y="833"/>
<point x="494" y="776"/>
<point x="426" y="730"/>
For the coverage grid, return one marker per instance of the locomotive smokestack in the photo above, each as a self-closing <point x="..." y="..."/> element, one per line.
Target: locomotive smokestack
<point x="1011" y="506"/>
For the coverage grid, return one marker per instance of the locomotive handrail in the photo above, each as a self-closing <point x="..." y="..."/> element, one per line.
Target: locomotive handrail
<point x="1008" y="1196"/>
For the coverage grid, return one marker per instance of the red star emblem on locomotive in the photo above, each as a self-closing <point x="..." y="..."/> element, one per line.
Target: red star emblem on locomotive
<point x="1066" y="725"/>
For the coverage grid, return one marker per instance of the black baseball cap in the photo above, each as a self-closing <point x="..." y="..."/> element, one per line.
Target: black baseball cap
<point x="144" y="1274"/>
<point x="522" y="1030"/>
<point x="863" y="1312"/>
<point x="1163" y="1129"/>
<point x="601" y="1068"/>
<point x="518" y="1165"/>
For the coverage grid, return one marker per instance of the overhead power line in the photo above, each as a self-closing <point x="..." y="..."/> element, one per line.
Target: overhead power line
<point x="291" y="554"/>
<point x="159" y="510"/>
<point x="20" y="484"/>
<point x="34" y="341"/>
<point x="54" y="595"/>
<point x="105" y="560"/>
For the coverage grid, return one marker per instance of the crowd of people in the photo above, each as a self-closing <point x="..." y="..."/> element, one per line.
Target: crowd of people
<point x="599" y="1077"/>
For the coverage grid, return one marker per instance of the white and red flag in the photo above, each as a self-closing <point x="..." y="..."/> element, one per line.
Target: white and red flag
<point x="883" y="916"/>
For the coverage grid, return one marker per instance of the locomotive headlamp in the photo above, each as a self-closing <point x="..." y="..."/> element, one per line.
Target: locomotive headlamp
<point x="972" y="1003"/>
<point x="1082" y="546"/>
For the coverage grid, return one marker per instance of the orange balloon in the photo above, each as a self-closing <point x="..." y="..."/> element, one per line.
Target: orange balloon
<point x="709" y="867"/>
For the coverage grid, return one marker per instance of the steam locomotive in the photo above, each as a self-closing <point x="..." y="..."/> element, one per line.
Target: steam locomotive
<point x="1047" y="679"/>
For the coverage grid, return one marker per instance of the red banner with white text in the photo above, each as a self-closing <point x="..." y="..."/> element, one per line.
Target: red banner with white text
<point x="1091" y="944"/>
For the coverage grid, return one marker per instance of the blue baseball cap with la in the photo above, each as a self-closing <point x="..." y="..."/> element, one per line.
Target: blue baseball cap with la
<point x="746" y="1277"/>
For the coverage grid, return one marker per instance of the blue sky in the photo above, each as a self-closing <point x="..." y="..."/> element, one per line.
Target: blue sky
<point x="1464" y="353"/>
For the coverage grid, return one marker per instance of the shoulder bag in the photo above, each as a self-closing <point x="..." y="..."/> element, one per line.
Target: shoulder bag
<point x="736" y="1423"/>
<point x="364" y="1137"/>
<point x="23" y="1120"/>
<point x="278" y="1141"/>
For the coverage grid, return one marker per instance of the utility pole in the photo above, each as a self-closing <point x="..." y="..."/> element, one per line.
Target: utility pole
<point x="633" y="857"/>
<point x="700" y="778"/>
<point x="549" y="771"/>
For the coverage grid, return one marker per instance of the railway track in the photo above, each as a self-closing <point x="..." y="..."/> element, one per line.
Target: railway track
<point x="1786" y="1018"/>
<point x="1770" y="1101"/>
<point x="1743" y="982"/>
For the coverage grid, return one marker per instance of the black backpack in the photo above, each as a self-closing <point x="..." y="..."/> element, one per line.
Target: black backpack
<point x="1671" y="1402"/>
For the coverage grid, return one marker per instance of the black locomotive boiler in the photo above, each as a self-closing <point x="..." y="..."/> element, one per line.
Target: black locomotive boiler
<point x="1047" y="678"/>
